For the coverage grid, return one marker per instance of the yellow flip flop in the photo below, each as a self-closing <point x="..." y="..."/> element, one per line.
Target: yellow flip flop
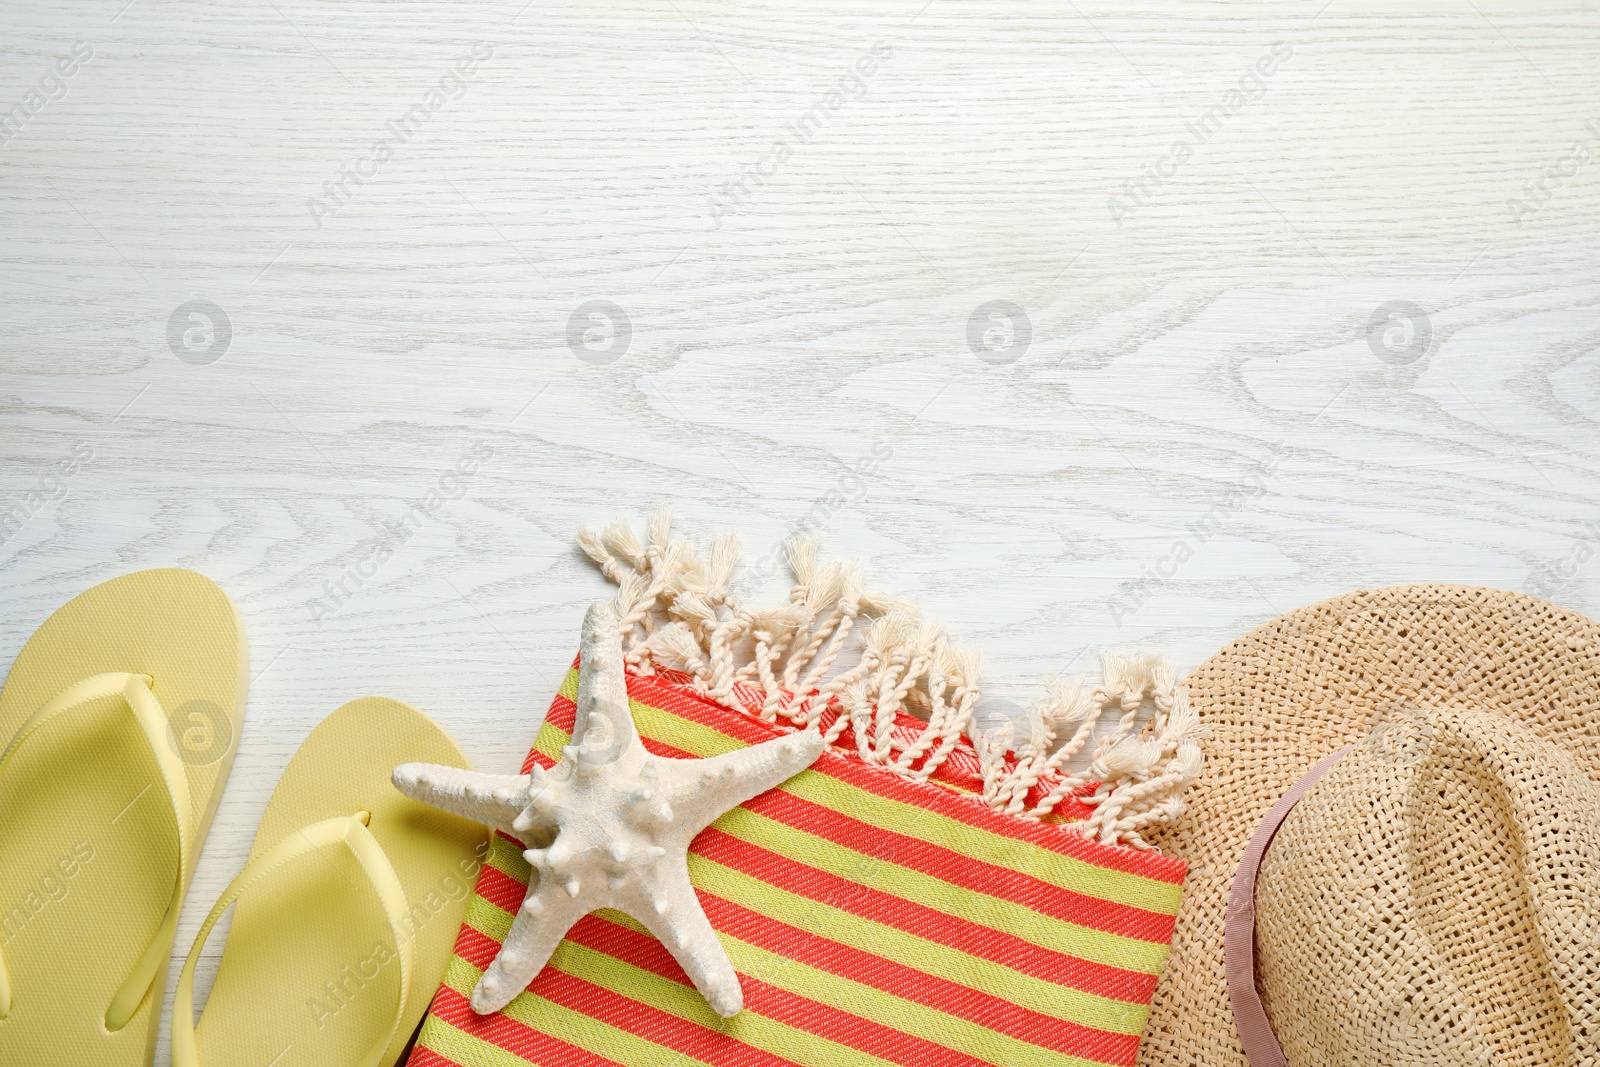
<point x="119" y="721"/>
<point x="347" y="911"/>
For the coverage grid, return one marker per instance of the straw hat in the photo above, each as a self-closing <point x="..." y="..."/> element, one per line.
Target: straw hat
<point x="1394" y="924"/>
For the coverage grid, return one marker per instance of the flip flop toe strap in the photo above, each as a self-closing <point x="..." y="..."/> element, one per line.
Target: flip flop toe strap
<point x="349" y="831"/>
<point x="135" y="690"/>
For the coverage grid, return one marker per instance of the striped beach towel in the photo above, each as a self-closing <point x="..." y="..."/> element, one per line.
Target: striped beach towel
<point x="873" y="919"/>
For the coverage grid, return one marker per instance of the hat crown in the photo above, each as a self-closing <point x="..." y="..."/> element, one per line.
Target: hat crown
<point x="1435" y="898"/>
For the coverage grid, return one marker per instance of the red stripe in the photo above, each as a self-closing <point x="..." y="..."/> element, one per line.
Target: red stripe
<point x="535" y="1046"/>
<point x="916" y="919"/>
<point x="466" y="946"/>
<point x="920" y="987"/>
<point x="426" y="1057"/>
<point x="500" y="889"/>
<point x="478" y="949"/>
<point x="961" y="870"/>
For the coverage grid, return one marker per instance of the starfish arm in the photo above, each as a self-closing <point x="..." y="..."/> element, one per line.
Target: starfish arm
<point x="668" y="907"/>
<point x="492" y="799"/>
<point x="700" y="791"/>
<point x="546" y="916"/>
<point x="602" y="705"/>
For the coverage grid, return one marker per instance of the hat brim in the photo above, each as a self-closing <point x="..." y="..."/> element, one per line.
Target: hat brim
<point x="1310" y="682"/>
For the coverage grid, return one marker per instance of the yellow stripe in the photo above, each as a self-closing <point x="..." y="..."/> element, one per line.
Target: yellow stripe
<point x="1046" y="931"/>
<point x="683" y="733"/>
<point x="573" y="1027"/>
<point x="458" y="1046"/>
<point x="1065" y="872"/>
<point x="974" y="972"/>
<point x="549" y="740"/>
<point x="909" y="1018"/>
<point x="505" y="857"/>
<point x="489" y="919"/>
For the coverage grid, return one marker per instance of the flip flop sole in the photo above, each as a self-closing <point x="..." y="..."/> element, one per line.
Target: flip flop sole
<point x="87" y="845"/>
<point x="309" y="973"/>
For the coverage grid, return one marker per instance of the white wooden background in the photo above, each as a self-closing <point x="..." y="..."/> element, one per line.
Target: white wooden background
<point x="1204" y="358"/>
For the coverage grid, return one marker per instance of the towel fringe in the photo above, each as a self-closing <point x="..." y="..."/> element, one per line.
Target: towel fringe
<point x="677" y="610"/>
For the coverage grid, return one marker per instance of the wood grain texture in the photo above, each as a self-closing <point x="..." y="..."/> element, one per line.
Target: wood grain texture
<point x="1198" y="435"/>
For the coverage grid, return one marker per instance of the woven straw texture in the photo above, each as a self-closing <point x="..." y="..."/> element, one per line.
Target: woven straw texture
<point x="872" y="919"/>
<point x="1435" y="899"/>
<point x="1316" y="680"/>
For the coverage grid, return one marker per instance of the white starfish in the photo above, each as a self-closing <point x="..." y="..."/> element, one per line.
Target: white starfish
<point x="610" y="827"/>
